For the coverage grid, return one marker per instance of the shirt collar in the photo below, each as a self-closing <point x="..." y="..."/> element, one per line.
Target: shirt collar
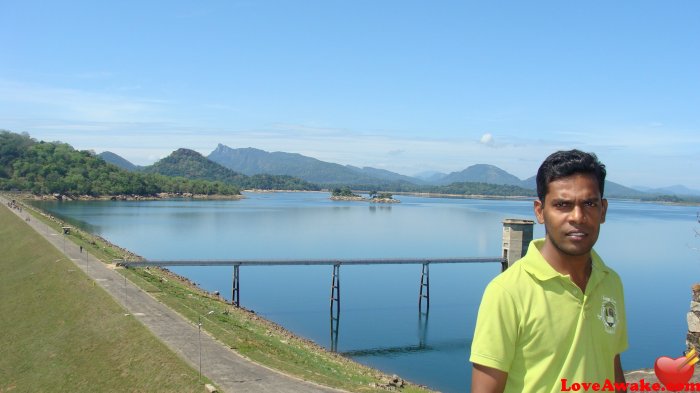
<point x="535" y="264"/>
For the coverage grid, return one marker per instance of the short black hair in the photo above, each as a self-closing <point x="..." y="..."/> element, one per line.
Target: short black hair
<point x="566" y="163"/>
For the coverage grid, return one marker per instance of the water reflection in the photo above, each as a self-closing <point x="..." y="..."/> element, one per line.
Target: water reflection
<point x="439" y="346"/>
<point x="422" y="346"/>
<point x="423" y="318"/>
<point x="381" y="208"/>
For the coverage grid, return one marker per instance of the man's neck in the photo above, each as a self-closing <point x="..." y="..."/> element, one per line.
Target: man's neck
<point x="577" y="267"/>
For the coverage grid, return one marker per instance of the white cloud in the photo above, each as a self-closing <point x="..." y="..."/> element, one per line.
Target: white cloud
<point x="487" y="139"/>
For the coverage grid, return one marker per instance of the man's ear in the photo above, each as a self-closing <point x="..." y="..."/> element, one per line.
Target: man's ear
<point x="604" y="204"/>
<point x="539" y="211"/>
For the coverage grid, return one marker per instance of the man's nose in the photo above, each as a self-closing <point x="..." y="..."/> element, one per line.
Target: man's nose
<point x="577" y="214"/>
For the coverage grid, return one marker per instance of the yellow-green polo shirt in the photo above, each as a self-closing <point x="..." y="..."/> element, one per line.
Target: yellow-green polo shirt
<point x="536" y="324"/>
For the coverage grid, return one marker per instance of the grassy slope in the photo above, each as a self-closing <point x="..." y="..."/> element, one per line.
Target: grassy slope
<point x="60" y="332"/>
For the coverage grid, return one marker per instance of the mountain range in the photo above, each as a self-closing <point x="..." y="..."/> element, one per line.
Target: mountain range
<point x="670" y="190"/>
<point x="252" y="161"/>
<point x="255" y="162"/>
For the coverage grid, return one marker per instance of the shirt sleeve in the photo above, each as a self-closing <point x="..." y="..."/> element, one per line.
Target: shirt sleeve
<point x="496" y="332"/>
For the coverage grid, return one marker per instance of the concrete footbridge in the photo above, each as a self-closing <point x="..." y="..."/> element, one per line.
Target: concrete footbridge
<point x="517" y="234"/>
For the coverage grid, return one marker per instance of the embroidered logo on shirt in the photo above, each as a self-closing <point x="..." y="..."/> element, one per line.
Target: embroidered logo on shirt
<point x="608" y="314"/>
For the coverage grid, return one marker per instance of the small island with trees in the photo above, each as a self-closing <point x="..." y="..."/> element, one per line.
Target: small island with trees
<point x="346" y="194"/>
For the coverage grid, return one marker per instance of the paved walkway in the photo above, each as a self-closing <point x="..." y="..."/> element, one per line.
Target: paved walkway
<point x="229" y="371"/>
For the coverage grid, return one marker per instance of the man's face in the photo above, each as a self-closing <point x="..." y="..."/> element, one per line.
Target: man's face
<point x="572" y="212"/>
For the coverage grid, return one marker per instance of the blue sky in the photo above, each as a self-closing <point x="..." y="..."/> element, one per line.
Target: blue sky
<point x="408" y="86"/>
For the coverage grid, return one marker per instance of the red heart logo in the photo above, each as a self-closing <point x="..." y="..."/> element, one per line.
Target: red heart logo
<point x="673" y="373"/>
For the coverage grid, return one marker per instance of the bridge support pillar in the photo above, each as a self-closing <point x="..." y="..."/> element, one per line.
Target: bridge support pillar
<point x="517" y="235"/>
<point x="335" y="307"/>
<point x="236" y="292"/>
<point x="335" y="291"/>
<point x="424" y="292"/>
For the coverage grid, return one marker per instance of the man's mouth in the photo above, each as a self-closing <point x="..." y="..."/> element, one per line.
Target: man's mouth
<point x="576" y="234"/>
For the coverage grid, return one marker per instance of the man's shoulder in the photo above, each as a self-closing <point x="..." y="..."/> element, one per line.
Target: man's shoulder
<point x="513" y="279"/>
<point x="613" y="280"/>
<point x="519" y="269"/>
<point x="611" y="274"/>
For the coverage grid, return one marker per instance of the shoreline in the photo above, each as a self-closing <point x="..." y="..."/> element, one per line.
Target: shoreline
<point x="262" y="191"/>
<point x="132" y="197"/>
<point x="164" y="196"/>
<point x="469" y="196"/>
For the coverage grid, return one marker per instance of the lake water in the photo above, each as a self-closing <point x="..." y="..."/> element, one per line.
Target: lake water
<point x="651" y="246"/>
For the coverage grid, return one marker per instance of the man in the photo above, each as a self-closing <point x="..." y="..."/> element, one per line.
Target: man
<point x="557" y="316"/>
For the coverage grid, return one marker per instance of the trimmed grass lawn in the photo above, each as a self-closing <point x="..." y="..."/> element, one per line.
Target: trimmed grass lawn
<point x="59" y="332"/>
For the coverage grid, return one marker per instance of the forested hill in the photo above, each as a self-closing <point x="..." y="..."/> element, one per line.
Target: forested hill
<point x="54" y="167"/>
<point x="192" y="165"/>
